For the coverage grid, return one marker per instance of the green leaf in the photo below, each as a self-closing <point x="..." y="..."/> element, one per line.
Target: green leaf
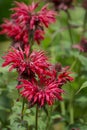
<point x="84" y="85"/>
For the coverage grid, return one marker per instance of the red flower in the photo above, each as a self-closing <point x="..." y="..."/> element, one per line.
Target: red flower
<point x="46" y="16"/>
<point x="17" y="32"/>
<point x="39" y="93"/>
<point x="64" y="77"/>
<point x="23" y="13"/>
<point x="27" y="15"/>
<point x="15" y="59"/>
<point x="38" y="36"/>
<point x="27" y="24"/>
<point x="23" y="60"/>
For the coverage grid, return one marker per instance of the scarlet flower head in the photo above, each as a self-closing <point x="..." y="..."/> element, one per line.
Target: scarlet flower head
<point x="15" y="31"/>
<point x="23" y="61"/>
<point x="40" y="94"/>
<point x="64" y="76"/>
<point x="26" y="23"/>
<point x="27" y="15"/>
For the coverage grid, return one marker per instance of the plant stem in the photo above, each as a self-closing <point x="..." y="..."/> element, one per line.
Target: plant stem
<point x="36" y="118"/>
<point x="73" y="64"/>
<point x="62" y="105"/>
<point x="71" y="111"/>
<point x="71" y="107"/>
<point x="84" y="23"/>
<point x="22" y="111"/>
<point x="49" y="118"/>
<point x="69" y="26"/>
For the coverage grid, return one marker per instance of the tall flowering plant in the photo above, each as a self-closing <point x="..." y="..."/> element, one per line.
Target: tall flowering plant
<point x="39" y="81"/>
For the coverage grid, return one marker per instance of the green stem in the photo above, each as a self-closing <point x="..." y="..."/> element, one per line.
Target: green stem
<point x="73" y="64"/>
<point x="69" y="26"/>
<point x="84" y="23"/>
<point x="71" y="107"/>
<point x="18" y="89"/>
<point x="62" y="105"/>
<point x="71" y="111"/>
<point x="36" y="118"/>
<point x="22" y="111"/>
<point x="49" y="118"/>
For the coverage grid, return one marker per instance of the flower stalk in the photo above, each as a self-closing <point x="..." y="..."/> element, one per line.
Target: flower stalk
<point x="69" y="26"/>
<point x="36" y="118"/>
<point x="71" y="107"/>
<point x="49" y="117"/>
<point x="22" y="111"/>
<point x="71" y="111"/>
<point x="84" y="23"/>
<point x="63" y="110"/>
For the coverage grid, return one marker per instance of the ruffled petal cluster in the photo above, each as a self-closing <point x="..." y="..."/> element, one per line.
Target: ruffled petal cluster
<point x="26" y="23"/>
<point x="64" y="77"/>
<point x="40" y="95"/>
<point x="15" y="31"/>
<point x="24" y="60"/>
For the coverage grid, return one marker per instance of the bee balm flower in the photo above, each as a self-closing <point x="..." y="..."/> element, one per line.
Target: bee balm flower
<point x="26" y="23"/>
<point x="22" y="60"/>
<point x="40" y="93"/>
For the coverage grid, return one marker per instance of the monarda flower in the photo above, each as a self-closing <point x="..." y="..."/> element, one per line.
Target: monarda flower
<point x="24" y="14"/>
<point x="26" y="62"/>
<point x="62" y="4"/>
<point x="26" y="23"/>
<point x="40" y="93"/>
<point x="64" y="76"/>
<point x="15" y="31"/>
<point x="82" y="46"/>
